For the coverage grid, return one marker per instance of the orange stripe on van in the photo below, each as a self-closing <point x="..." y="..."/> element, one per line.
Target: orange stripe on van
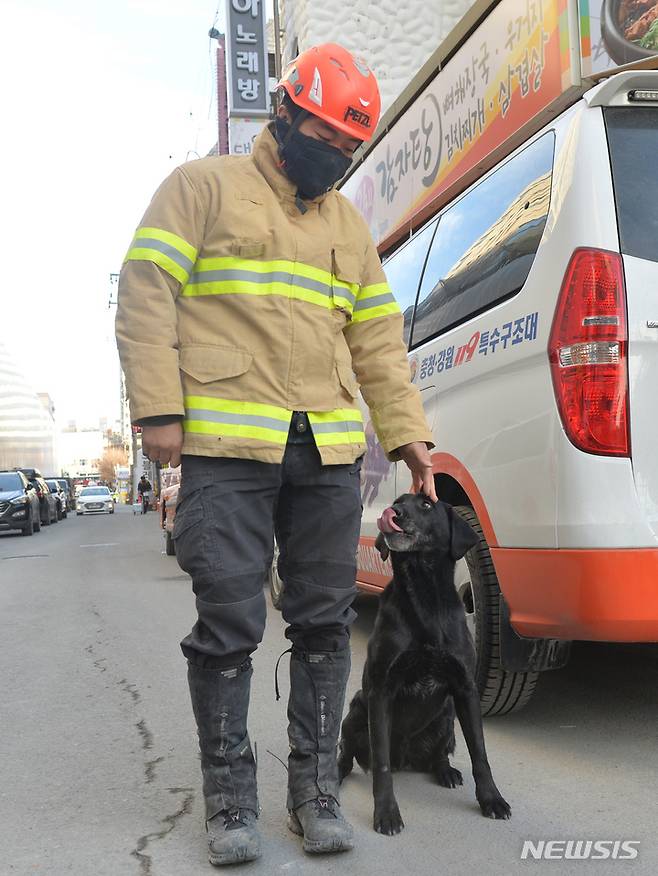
<point x="595" y="595"/>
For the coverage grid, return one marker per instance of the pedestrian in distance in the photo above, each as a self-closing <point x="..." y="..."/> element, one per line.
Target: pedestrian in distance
<point x="252" y="305"/>
<point x="144" y="489"/>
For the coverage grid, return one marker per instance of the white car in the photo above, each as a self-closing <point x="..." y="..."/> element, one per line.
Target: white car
<point x="95" y="500"/>
<point x="55" y="487"/>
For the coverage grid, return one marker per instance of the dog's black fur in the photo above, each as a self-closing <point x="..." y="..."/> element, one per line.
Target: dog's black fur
<point x="420" y="667"/>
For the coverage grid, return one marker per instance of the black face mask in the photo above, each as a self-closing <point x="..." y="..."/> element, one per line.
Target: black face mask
<point x="311" y="164"/>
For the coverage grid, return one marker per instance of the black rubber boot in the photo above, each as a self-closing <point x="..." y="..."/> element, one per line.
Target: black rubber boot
<point x="220" y="699"/>
<point x="315" y="709"/>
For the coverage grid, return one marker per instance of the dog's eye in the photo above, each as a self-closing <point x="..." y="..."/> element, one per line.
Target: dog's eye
<point x="427" y="506"/>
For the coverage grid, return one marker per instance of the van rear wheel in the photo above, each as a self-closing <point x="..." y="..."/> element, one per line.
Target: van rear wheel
<point x="501" y="692"/>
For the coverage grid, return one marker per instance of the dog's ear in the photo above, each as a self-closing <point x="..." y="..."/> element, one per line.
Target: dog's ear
<point x="462" y="536"/>
<point x="382" y="547"/>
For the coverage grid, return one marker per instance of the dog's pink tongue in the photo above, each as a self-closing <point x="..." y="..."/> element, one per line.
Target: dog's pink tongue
<point x="386" y="523"/>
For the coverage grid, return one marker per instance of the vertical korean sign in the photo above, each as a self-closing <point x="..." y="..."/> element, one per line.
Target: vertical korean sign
<point x="248" y="75"/>
<point x="515" y="64"/>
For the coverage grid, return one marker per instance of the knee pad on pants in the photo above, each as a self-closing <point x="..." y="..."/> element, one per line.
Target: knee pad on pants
<point x="319" y="598"/>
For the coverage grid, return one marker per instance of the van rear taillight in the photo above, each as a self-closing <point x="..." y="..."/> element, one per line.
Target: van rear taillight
<point x="588" y="350"/>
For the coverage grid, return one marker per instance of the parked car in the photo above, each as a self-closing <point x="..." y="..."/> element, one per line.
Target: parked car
<point x="47" y="502"/>
<point x="19" y="503"/>
<point x="60" y="497"/>
<point x="66" y="485"/>
<point x="94" y="500"/>
<point x="168" y="499"/>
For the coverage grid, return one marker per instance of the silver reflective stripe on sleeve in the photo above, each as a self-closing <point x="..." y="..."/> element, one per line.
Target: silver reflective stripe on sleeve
<point x="166" y="249"/>
<point x="376" y="301"/>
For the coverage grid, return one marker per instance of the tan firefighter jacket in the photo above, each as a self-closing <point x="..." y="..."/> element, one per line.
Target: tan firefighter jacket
<point x="236" y="309"/>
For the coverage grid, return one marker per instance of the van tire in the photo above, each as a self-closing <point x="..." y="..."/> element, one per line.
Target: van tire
<point x="501" y="692"/>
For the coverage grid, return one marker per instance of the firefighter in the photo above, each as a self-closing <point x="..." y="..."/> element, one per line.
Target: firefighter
<point x="252" y="305"/>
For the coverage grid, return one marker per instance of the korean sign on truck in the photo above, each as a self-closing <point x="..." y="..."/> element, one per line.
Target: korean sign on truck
<point x="524" y="63"/>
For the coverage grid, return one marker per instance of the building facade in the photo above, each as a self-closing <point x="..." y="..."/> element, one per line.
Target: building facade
<point x="81" y="451"/>
<point x="27" y="426"/>
<point x="395" y="40"/>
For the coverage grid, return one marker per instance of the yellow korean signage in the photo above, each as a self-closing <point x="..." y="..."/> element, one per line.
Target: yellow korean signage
<point x="515" y="64"/>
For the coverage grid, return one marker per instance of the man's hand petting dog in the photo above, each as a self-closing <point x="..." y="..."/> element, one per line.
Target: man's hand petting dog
<point x="419" y="672"/>
<point x="417" y="458"/>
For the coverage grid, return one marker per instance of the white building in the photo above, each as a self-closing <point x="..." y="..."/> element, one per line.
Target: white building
<point x="395" y="39"/>
<point x="27" y="427"/>
<point x="80" y="452"/>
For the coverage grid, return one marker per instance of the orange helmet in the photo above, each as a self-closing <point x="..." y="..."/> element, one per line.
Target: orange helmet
<point x="332" y="84"/>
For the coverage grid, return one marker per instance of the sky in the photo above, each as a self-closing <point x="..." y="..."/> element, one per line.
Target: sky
<point x="100" y="101"/>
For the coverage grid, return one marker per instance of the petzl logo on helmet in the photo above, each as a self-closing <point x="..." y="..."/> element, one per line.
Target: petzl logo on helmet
<point x="358" y="116"/>
<point x="315" y="94"/>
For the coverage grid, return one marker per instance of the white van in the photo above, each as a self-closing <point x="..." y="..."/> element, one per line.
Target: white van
<point x="531" y="313"/>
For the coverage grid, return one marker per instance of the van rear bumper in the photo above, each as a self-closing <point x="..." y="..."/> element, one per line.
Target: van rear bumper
<point x="595" y="595"/>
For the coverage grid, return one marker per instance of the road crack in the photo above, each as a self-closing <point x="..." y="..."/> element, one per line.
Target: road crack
<point x="130" y="689"/>
<point x="169" y="821"/>
<point x="149" y="768"/>
<point x="146" y="736"/>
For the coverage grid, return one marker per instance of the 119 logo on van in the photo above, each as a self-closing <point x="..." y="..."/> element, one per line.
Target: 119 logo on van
<point x="511" y="334"/>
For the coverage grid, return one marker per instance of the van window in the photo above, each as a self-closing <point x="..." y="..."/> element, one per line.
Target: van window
<point x="486" y="242"/>
<point x="403" y="270"/>
<point x="633" y="139"/>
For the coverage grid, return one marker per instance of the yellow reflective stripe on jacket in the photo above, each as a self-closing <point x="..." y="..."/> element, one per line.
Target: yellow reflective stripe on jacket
<point x="235" y="276"/>
<point x="169" y="251"/>
<point x="342" y="426"/>
<point x="205" y="415"/>
<point x="373" y="301"/>
<point x="219" y="416"/>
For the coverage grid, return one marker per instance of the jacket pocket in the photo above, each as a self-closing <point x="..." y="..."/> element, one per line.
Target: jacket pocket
<point x="346" y="269"/>
<point x="346" y="378"/>
<point x="248" y="249"/>
<point x="207" y="364"/>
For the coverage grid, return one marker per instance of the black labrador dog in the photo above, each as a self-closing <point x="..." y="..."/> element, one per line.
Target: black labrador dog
<point x="420" y="665"/>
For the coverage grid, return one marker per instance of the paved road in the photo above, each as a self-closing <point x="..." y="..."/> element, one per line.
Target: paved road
<point x="98" y="750"/>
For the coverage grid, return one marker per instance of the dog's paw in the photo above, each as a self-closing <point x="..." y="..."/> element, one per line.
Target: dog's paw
<point x="448" y="777"/>
<point x="387" y="819"/>
<point x="494" y="806"/>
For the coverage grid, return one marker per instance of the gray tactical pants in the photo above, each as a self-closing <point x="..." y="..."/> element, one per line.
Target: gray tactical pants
<point x="227" y="515"/>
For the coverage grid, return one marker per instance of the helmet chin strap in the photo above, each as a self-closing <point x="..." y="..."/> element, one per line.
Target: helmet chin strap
<point x="292" y="127"/>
